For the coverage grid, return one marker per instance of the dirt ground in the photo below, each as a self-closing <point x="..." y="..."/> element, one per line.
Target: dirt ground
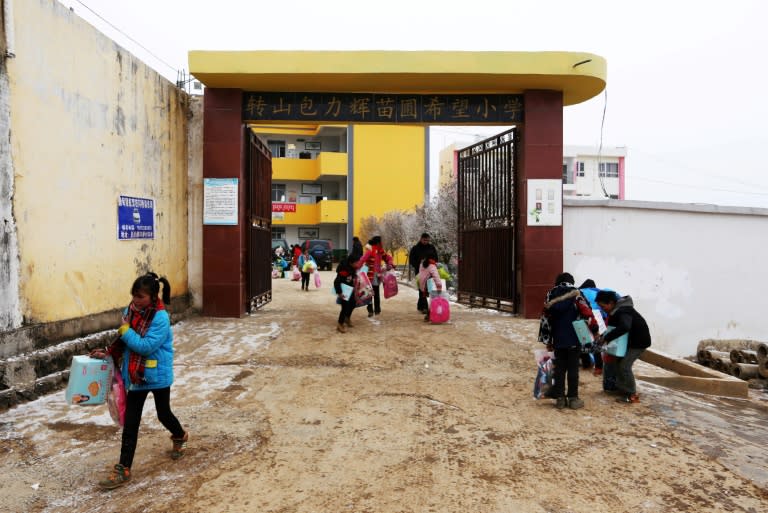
<point x="287" y="415"/>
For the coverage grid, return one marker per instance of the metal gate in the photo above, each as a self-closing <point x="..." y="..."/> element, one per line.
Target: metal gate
<point x="260" y="215"/>
<point x="486" y="223"/>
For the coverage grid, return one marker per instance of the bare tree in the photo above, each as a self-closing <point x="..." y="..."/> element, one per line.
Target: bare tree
<point x="442" y="220"/>
<point x="369" y="226"/>
<point x="401" y="230"/>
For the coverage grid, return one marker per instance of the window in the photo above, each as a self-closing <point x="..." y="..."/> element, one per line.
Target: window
<point x="580" y="168"/>
<point x="278" y="192"/>
<point x="566" y="174"/>
<point x="609" y="169"/>
<point x="278" y="232"/>
<point x="277" y="148"/>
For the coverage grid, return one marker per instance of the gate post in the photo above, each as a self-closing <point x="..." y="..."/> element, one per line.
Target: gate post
<point x="539" y="249"/>
<point x="224" y="247"/>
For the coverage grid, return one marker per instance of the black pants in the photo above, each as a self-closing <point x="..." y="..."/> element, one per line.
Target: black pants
<point x="304" y="280"/>
<point x="422" y="305"/>
<point x="598" y="359"/>
<point x="133" y="407"/>
<point x="346" y="309"/>
<point x="375" y="305"/>
<point x="567" y="361"/>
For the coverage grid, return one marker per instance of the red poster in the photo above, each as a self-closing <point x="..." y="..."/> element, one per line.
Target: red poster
<point x="283" y="207"/>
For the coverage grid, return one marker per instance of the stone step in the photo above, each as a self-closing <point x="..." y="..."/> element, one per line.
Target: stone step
<point x="27" y="376"/>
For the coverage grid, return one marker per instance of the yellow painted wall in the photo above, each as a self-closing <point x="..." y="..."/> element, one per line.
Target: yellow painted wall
<point x="333" y="211"/>
<point x="327" y="164"/>
<point x="90" y="122"/>
<point x="333" y="164"/>
<point x="389" y="169"/>
<point x="304" y="215"/>
<point x="294" y="169"/>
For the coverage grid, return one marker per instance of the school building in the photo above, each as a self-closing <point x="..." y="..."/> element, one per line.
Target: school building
<point x="324" y="176"/>
<point x="588" y="172"/>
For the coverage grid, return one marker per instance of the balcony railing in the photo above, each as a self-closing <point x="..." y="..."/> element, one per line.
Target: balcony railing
<point x="326" y="164"/>
<point x="322" y="212"/>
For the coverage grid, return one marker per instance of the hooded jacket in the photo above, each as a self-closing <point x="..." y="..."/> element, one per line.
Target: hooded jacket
<point x="565" y="304"/>
<point x="625" y="319"/>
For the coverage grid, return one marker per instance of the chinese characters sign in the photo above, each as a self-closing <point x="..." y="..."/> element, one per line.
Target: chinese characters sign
<point x="135" y="218"/>
<point x="473" y="109"/>
<point x="283" y="207"/>
<point x="220" y="201"/>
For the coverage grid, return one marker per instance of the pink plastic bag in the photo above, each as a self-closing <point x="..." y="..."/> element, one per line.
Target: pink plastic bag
<point x="439" y="310"/>
<point x="116" y="398"/>
<point x="296" y="276"/>
<point x="363" y="289"/>
<point x="389" y="281"/>
<point x="318" y="283"/>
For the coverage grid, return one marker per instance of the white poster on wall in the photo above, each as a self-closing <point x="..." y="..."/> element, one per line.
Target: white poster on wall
<point x="220" y="201"/>
<point x="545" y="202"/>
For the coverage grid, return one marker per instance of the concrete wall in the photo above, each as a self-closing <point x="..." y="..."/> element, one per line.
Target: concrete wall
<point x="10" y="313"/>
<point x="88" y="122"/>
<point x="195" y="199"/>
<point x="693" y="271"/>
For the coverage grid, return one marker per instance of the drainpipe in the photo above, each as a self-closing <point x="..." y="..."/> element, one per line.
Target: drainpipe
<point x="8" y="28"/>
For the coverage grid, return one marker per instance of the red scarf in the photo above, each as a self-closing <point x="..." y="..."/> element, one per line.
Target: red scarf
<point x="139" y="320"/>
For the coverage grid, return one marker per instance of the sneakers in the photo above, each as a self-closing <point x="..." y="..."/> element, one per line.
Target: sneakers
<point x="179" y="446"/>
<point x="119" y="476"/>
<point x="628" y="398"/>
<point x="573" y="403"/>
<point x="341" y="328"/>
<point x="597" y="372"/>
<point x="370" y="314"/>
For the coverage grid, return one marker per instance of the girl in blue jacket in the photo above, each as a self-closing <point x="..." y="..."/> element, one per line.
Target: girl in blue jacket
<point x="144" y="354"/>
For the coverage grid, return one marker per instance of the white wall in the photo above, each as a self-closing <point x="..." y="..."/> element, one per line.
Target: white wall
<point x="693" y="271"/>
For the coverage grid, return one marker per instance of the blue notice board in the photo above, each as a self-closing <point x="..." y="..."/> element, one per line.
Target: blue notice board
<point x="135" y="218"/>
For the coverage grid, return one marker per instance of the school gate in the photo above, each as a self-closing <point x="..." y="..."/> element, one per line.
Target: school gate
<point x="511" y="232"/>
<point x="486" y="200"/>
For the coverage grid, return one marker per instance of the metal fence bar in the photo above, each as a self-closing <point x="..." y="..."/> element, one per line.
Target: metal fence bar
<point x="260" y="216"/>
<point x="486" y="223"/>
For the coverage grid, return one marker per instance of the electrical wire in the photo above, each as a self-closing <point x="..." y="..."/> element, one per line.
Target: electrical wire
<point x="699" y="172"/>
<point x="704" y="187"/>
<point x="600" y="176"/>
<point x="126" y="35"/>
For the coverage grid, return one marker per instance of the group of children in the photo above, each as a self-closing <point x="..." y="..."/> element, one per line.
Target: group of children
<point x="371" y="262"/>
<point x="144" y="350"/>
<point x="376" y="262"/>
<point x="563" y="306"/>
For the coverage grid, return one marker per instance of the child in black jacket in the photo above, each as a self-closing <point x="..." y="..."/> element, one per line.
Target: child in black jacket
<point x="624" y="319"/>
<point x="345" y="274"/>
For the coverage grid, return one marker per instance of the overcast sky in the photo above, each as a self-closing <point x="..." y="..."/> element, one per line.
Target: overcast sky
<point x="686" y="87"/>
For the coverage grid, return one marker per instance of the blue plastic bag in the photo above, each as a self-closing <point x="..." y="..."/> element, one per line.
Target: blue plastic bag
<point x="544" y="378"/>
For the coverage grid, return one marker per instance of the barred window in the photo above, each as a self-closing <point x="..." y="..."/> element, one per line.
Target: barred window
<point x="609" y="169"/>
